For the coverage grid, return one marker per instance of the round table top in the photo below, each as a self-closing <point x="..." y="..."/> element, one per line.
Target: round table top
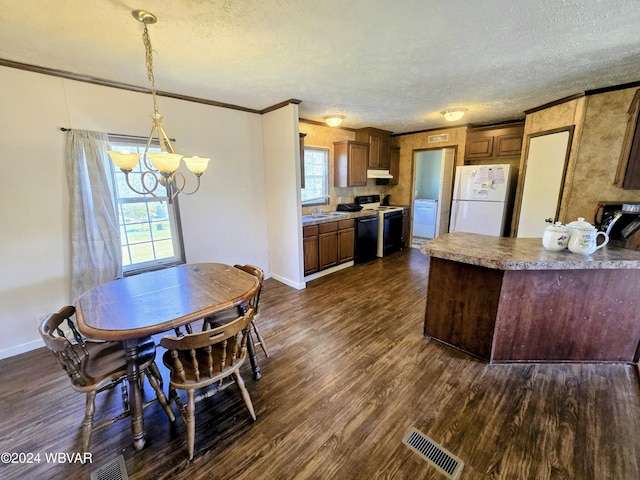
<point x="154" y="302"/>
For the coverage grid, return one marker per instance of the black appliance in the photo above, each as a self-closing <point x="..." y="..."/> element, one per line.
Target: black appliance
<point x="348" y="207"/>
<point x="366" y="239"/>
<point x="389" y="227"/>
<point x="621" y="221"/>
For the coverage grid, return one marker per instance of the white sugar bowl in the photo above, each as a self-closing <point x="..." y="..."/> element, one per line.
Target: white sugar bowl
<point x="556" y="237"/>
<point x="584" y="237"/>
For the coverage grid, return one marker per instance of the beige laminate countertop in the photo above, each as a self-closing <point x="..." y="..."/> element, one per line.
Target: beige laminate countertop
<point x="524" y="254"/>
<point x="310" y="220"/>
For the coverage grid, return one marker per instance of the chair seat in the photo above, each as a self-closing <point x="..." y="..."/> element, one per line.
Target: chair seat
<point x="107" y="359"/>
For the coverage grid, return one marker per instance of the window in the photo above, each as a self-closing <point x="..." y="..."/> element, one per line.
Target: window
<point x="316" y="176"/>
<point x="150" y="231"/>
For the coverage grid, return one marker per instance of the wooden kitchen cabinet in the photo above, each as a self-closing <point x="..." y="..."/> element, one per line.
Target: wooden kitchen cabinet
<point x="394" y="165"/>
<point x="379" y="146"/>
<point x="346" y="240"/>
<point x="350" y="163"/>
<point x="494" y="142"/>
<point x="628" y="173"/>
<point x="328" y="244"/>
<point x="310" y="248"/>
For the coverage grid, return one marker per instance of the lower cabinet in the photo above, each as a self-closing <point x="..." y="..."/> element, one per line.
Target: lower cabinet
<point x="328" y="244"/>
<point x="310" y="247"/>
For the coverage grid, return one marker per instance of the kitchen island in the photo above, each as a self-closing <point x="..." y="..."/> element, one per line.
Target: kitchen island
<point x="510" y="300"/>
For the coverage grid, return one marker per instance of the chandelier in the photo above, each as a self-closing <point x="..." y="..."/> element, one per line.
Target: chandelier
<point x="159" y="168"/>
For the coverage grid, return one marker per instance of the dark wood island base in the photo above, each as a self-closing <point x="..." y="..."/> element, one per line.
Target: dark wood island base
<point x="509" y="300"/>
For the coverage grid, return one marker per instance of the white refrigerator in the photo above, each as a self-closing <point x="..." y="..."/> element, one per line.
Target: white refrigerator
<point x="481" y="197"/>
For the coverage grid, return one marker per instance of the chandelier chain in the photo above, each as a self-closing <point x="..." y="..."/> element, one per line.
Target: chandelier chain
<point x="149" y="57"/>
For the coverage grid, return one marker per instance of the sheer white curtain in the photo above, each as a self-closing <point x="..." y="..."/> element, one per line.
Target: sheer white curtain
<point x="95" y="238"/>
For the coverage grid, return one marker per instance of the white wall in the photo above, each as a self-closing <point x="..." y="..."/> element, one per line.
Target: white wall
<point x="224" y="222"/>
<point x="282" y="174"/>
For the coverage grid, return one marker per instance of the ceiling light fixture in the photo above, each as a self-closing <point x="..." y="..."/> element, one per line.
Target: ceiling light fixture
<point x="159" y="168"/>
<point x="333" y="120"/>
<point x="453" y="114"/>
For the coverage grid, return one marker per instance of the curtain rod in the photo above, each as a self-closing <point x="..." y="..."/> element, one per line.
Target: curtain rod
<point x="121" y="135"/>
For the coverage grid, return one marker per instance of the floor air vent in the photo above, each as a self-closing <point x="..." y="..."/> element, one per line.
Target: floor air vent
<point x="114" y="470"/>
<point x="433" y="453"/>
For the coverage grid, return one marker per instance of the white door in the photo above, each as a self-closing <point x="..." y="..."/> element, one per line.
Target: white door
<point x="543" y="181"/>
<point x="446" y="188"/>
<point x="486" y="218"/>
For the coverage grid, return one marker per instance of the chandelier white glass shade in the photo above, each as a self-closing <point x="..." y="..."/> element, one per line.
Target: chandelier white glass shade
<point x="158" y="168"/>
<point x="453" y="114"/>
<point x="333" y="120"/>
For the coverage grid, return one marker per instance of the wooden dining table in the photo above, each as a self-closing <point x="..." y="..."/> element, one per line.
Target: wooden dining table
<point x="133" y="308"/>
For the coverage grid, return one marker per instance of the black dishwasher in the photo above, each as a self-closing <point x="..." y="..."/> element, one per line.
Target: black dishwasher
<point x="366" y="238"/>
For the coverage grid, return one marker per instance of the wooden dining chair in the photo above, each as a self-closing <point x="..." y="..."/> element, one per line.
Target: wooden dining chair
<point x="207" y="359"/>
<point x="96" y="366"/>
<point x="254" y="303"/>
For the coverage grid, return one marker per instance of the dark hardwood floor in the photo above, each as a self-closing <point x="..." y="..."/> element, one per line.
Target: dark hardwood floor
<point x="349" y="374"/>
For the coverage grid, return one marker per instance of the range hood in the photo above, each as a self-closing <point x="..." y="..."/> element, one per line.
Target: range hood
<point x="379" y="174"/>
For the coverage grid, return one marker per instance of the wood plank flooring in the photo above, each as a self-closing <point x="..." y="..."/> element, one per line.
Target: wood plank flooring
<point x="349" y="374"/>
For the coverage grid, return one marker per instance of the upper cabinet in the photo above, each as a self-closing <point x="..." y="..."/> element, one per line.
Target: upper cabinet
<point x="494" y="142"/>
<point x="379" y="146"/>
<point x="394" y="165"/>
<point x="628" y="173"/>
<point x="350" y="163"/>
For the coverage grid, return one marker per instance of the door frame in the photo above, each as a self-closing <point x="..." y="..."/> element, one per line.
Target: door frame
<point x="414" y="154"/>
<point x="523" y="174"/>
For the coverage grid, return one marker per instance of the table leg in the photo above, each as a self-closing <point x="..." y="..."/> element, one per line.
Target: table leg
<point x="135" y="395"/>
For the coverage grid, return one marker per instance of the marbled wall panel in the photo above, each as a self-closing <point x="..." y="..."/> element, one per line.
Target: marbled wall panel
<point x="401" y="193"/>
<point x="603" y="132"/>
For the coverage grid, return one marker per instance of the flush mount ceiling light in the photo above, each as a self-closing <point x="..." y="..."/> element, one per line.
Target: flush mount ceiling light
<point x="333" y="120"/>
<point x="453" y="114"/>
<point x="158" y="168"/>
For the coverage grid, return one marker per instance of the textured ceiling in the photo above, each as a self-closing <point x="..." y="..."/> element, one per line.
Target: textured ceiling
<point x="391" y="64"/>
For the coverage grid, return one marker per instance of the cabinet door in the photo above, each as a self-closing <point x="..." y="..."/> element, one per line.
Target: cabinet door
<point x="385" y="152"/>
<point x="357" y="170"/>
<point x="508" y="145"/>
<point x="394" y="165"/>
<point x="479" y="148"/>
<point x="311" y="260"/>
<point x="346" y="242"/>
<point x="328" y="248"/>
<point x="374" y="152"/>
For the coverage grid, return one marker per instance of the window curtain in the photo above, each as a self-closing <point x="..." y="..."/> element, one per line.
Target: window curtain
<point x="95" y="238"/>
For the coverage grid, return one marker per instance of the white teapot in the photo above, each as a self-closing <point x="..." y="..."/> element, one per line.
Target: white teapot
<point x="556" y="237"/>
<point x="584" y="237"/>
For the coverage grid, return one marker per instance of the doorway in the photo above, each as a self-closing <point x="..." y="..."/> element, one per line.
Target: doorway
<point x="431" y="193"/>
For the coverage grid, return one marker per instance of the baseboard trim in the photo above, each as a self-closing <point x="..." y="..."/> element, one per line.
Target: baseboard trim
<point x="286" y="281"/>
<point x="18" y="349"/>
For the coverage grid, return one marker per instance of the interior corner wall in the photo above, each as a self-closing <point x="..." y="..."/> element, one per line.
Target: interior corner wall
<point x="225" y="221"/>
<point x="282" y="179"/>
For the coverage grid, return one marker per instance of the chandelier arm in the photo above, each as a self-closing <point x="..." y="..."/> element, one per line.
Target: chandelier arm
<point x="177" y="188"/>
<point x="197" y="175"/>
<point x="145" y="158"/>
<point x="148" y="190"/>
<point x="164" y="138"/>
